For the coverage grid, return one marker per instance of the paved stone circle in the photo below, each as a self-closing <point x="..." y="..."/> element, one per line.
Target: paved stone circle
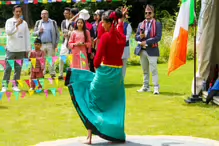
<point x="137" y="141"/>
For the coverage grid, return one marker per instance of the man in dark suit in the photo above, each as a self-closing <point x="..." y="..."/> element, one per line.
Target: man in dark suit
<point x="148" y="35"/>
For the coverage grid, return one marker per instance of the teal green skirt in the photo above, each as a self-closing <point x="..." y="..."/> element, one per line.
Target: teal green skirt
<point x="99" y="99"/>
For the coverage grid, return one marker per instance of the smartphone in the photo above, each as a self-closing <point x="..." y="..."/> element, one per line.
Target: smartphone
<point x="22" y="17"/>
<point x="142" y="30"/>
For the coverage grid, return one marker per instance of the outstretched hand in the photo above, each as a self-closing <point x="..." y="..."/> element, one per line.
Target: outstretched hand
<point x="124" y="10"/>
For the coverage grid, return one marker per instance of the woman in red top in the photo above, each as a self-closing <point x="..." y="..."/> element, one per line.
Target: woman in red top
<point x="99" y="98"/>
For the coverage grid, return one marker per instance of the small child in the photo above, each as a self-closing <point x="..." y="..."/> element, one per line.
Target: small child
<point x="37" y="72"/>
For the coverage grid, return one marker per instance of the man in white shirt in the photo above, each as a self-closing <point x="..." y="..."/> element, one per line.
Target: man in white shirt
<point x="18" y="45"/>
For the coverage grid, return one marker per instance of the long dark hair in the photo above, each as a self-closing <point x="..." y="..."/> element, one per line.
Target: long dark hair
<point x="84" y="28"/>
<point x="100" y="13"/>
<point x="112" y="16"/>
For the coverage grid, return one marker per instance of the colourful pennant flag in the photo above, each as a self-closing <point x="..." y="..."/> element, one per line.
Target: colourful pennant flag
<point x="33" y="61"/>
<point x="8" y="94"/>
<point x="50" y="80"/>
<point x="82" y="55"/>
<point x="4" y="83"/>
<point x="35" y="1"/>
<point x="19" y="62"/>
<point x="70" y="58"/>
<point x="45" y="1"/>
<point x="49" y="60"/>
<point x="18" y="2"/>
<point x="54" y="58"/>
<point x="26" y="2"/>
<point x="63" y="58"/>
<point x="57" y="81"/>
<point x="35" y="82"/>
<point x="8" y="2"/>
<point x="42" y="82"/>
<point x="13" y="82"/>
<point x="2" y="62"/>
<point x="11" y="63"/>
<point x="42" y="61"/>
<point x="60" y="90"/>
<point x="16" y="95"/>
<point x="46" y="92"/>
<point x="1" y="95"/>
<point x="23" y="94"/>
<point x="20" y="82"/>
<point x="53" y="90"/>
<point x="83" y="63"/>
<point x="28" y="83"/>
<point x="39" y="90"/>
<point x="26" y="63"/>
<point x="2" y="49"/>
<point x="31" y="92"/>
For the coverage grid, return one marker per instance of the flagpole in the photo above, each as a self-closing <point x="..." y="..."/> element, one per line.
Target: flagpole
<point x="195" y="97"/>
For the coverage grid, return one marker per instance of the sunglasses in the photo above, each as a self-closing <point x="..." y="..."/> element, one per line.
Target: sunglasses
<point x="148" y="13"/>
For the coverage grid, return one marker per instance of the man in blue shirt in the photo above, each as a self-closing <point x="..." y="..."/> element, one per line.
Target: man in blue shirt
<point x="48" y="32"/>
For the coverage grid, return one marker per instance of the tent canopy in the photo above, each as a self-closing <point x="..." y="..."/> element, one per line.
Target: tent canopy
<point x="207" y="41"/>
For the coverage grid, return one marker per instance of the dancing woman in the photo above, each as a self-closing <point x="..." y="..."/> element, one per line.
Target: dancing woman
<point x="99" y="98"/>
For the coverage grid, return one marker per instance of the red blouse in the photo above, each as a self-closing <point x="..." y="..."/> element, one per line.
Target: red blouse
<point x="111" y="47"/>
<point x="100" y="30"/>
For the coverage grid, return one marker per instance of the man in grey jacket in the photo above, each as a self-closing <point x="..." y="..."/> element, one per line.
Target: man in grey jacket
<point x="48" y="32"/>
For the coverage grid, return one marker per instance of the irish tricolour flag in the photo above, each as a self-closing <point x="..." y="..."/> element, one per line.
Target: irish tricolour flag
<point x="178" y="50"/>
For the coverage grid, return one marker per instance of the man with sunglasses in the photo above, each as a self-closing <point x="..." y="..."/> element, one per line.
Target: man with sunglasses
<point x="148" y="35"/>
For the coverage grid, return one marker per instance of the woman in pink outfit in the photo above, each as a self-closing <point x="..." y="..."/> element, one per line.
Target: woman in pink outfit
<point x="79" y="42"/>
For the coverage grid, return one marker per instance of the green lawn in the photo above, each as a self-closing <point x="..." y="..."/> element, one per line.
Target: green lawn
<point x="35" y="119"/>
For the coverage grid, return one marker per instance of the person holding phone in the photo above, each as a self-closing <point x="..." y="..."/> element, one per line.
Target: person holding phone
<point x="80" y="42"/>
<point x="17" y="47"/>
<point x="148" y="35"/>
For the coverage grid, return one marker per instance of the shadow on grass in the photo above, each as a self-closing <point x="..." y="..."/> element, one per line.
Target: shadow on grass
<point x="3" y="107"/>
<point x="127" y="143"/>
<point x="200" y="104"/>
<point x="171" y="94"/>
<point x="132" y="85"/>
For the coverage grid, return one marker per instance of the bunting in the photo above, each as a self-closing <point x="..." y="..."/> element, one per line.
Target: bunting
<point x="5" y="2"/>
